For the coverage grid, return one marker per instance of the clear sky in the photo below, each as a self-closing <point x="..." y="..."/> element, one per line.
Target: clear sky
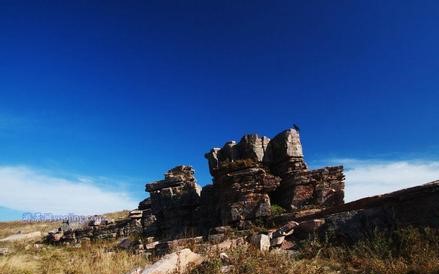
<point x="99" y="97"/>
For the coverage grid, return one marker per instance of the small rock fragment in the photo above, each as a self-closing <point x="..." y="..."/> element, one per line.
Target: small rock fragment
<point x="261" y="241"/>
<point x="285" y="230"/>
<point x="224" y="258"/>
<point x="277" y="241"/>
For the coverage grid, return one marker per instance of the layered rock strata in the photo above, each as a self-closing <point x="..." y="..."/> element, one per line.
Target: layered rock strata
<point x="282" y="157"/>
<point x="173" y="201"/>
<point x="240" y="192"/>
<point x="99" y="229"/>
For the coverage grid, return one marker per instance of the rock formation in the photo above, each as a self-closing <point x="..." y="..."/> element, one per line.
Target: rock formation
<point x="248" y="178"/>
<point x="173" y="202"/>
<point x="282" y="157"/>
<point x="240" y="192"/>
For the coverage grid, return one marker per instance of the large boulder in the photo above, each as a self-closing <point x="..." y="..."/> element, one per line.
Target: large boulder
<point x="283" y="146"/>
<point x="253" y="147"/>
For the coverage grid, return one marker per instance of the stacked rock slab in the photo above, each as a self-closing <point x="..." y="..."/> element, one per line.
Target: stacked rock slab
<point x="241" y="183"/>
<point x="173" y="201"/>
<point x="282" y="157"/>
<point x="300" y="187"/>
<point x="148" y="221"/>
<point x="97" y="229"/>
<point x="242" y="189"/>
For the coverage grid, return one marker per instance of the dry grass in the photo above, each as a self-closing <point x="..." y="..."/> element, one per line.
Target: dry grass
<point x="408" y="251"/>
<point x="9" y="228"/>
<point x="29" y="257"/>
<point x="247" y="259"/>
<point x="98" y="258"/>
<point x="117" y="215"/>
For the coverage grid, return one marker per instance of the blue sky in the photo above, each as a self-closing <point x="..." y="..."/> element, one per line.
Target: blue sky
<point x="103" y="96"/>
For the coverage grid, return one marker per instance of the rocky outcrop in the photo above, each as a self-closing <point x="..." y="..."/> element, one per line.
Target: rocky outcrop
<point x="239" y="193"/>
<point x="416" y="207"/>
<point x="316" y="188"/>
<point x="173" y="201"/>
<point x="251" y="147"/>
<point x="411" y="207"/>
<point x="282" y="157"/>
<point x="248" y="178"/>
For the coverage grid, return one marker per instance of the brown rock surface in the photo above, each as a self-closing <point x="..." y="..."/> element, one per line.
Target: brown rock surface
<point x="173" y="201"/>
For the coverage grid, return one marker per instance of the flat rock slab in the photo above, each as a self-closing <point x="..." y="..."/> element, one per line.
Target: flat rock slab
<point x="177" y="262"/>
<point x="22" y="237"/>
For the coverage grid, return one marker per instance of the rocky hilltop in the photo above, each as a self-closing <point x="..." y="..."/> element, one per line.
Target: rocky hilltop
<point x="257" y="182"/>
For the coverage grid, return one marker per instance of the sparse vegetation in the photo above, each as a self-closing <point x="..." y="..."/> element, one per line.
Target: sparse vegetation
<point x="117" y="215"/>
<point x="277" y="210"/>
<point x="28" y="257"/>
<point x="407" y="251"/>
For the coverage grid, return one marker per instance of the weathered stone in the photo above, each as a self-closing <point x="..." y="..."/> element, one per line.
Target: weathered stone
<point x="136" y="214"/>
<point x="277" y="241"/>
<point x="283" y="146"/>
<point x="225" y="259"/>
<point x="221" y="229"/>
<point x="286" y="229"/>
<point x="173" y="202"/>
<point x="310" y="226"/>
<point x="229" y="152"/>
<point x="145" y="204"/>
<point x="261" y="241"/>
<point x="237" y="170"/>
<point x="212" y="159"/>
<point x="152" y="245"/>
<point x="321" y="187"/>
<point x="177" y="262"/>
<point x="227" y="244"/>
<point x="286" y="245"/>
<point x="216" y="238"/>
<point x="55" y="236"/>
<point x="106" y="230"/>
<point x="239" y="193"/>
<point x="252" y="147"/>
<point x="125" y="243"/>
<point x="411" y="207"/>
